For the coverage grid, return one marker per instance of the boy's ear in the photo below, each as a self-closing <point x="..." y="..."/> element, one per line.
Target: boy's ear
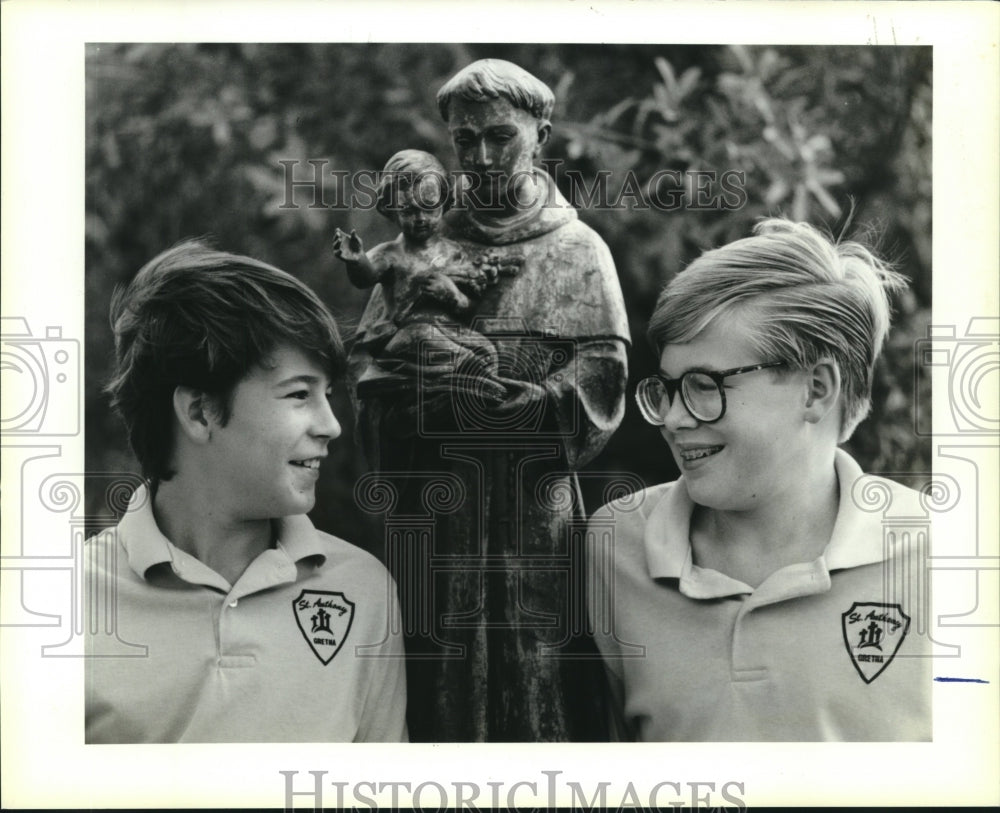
<point x="544" y="131"/>
<point x="194" y="413"/>
<point x="823" y="390"/>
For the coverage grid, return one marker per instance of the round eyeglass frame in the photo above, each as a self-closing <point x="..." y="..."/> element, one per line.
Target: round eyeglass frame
<point x="672" y="386"/>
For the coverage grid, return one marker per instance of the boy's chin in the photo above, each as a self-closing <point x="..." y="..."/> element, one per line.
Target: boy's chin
<point x="300" y="504"/>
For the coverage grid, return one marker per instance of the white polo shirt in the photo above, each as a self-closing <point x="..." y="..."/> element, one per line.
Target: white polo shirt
<point x="834" y="649"/>
<point x="305" y="647"/>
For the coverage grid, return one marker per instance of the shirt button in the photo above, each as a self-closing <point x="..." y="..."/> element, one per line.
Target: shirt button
<point x="234" y="602"/>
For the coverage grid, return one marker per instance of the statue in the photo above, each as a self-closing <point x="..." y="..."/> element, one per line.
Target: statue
<point x="428" y="282"/>
<point x="491" y="584"/>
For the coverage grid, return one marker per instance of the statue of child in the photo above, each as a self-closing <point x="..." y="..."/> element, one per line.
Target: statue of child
<point x="430" y="283"/>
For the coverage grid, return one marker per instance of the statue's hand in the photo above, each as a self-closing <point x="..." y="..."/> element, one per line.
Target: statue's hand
<point x="435" y="286"/>
<point x="519" y="395"/>
<point x="348" y="247"/>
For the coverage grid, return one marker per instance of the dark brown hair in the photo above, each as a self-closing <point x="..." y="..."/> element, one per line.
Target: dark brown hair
<point x="204" y="319"/>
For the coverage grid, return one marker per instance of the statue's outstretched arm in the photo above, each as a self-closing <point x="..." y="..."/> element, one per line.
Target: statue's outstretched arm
<point x="362" y="270"/>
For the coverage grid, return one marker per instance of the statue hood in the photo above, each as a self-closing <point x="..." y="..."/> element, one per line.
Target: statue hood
<point x="549" y="212"/>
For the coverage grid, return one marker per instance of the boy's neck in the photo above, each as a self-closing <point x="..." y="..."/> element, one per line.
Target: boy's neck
<point x="199" y="526"/>
<point x="750" y="545"/>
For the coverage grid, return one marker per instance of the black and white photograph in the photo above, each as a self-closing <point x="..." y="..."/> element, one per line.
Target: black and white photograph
<point x="555" y="418"/>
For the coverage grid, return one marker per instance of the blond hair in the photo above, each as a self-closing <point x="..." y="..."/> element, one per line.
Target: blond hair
<point x="806" y="297"/>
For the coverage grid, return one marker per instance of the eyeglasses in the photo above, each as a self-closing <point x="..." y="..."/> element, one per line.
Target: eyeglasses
<point x="701" y="392"/>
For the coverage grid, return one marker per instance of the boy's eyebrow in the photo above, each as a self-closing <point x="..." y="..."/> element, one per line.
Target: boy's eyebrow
<point x="302" y="378"/>
<point x="697" y="368"/>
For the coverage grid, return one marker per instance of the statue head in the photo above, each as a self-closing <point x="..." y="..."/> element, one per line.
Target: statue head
<point x="498" y="116"/>
<point x="414" y="191"/>
<point x="489" y="79"/>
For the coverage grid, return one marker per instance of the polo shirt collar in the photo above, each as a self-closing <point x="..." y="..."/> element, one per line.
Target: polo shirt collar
<point x="667" y="536"/>
<point x="668" y="549"/>
<point x="298" y="538"/>
<point x="856" y="538"/>
<point x="139" y="534"/>
<point x="146" y="546"/>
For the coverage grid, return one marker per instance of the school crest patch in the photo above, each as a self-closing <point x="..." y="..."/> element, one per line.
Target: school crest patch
<point x="324" y="619"/>
<point x="873" y="634"/>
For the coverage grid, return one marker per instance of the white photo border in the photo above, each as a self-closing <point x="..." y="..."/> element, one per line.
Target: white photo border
<point x="46" y="764"/>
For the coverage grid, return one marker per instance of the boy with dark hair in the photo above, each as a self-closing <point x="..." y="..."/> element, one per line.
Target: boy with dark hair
<point x="257" y="627"/>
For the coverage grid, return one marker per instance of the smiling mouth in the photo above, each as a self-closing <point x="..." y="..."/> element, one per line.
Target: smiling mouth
<point x="690" y="455"/>
<point x="312" y="463"/>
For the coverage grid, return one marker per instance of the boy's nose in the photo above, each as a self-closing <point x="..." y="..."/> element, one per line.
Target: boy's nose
<point x="327" y="424"/>
<point x="677" y="416"/>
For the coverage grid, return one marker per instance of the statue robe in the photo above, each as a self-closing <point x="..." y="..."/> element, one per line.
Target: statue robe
<point x="481" y="506"/>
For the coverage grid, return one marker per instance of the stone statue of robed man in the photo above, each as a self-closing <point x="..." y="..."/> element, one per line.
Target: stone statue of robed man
<point x="478" y="486"/>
